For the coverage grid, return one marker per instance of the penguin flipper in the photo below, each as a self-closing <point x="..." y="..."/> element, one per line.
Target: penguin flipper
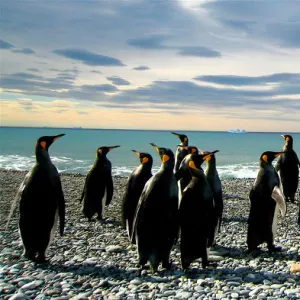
<point x="84" y="187"/>
<point x="279" y="198"/>
<point x="278" y="164"/>
<point x="179" y="173"/>
<point x="18" y="196"/>
<point x="109" y="190"/>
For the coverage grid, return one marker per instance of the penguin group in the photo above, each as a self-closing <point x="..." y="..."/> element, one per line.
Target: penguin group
<point x="181" y="203"/>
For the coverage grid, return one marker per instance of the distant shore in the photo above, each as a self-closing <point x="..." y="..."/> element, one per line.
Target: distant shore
<point x="95" y="259"/>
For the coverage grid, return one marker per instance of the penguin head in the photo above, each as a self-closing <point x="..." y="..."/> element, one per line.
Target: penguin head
<point x="195" y="163"/>
<point x="183" y="138"/>
<point x="44" y="142"/>
<point x="209" y="158"/>
<point x="190" y="149"/>
<point x="102" y="151"/>
<point x="145" y="158"/>
<point x="164" y="153"/>
<point x="288" y="139"/>
<point x="268" y="156"/>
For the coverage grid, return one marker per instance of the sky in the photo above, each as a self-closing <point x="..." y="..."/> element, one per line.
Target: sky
<point x="159" y="64"/>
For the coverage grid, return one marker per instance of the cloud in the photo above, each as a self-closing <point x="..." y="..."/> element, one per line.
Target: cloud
<point x="199" y="51"/>
<point x="141" y="68"/>
<point x="250" y="80"/>
<point x="33" y="70"/>
<point x="99" y="88"/>
<point x="190" y="95"/>
<point x="118" y="80"/>
<point x="25" y="76"/>
<point x="151" y="42"/>
<point x="157" y="42"/>
<point x="274" y="21"/>
<point x="89" y="58"/>
<point x="23" y="51"/>
<point x="5" y="45"/>
<point x="283" y="92"/>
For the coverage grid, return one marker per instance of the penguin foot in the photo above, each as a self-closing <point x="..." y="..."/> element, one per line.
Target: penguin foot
<point x="273" y="248"/>
<point x="212" y="264"/>
<point x="166" y="265"/>
<point x="29" y="255"/>
<point x="41" y="259"/>
<point x="253" y="250"/>
<point x="153" y="269"/>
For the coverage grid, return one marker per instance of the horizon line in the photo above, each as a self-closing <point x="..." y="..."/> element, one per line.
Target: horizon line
<point x="131" y="129"/>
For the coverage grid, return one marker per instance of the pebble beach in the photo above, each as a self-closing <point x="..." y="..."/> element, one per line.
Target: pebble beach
<point x="96" y="261"/>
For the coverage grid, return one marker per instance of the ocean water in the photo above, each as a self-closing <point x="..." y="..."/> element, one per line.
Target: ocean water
<point x="76" y="151"/>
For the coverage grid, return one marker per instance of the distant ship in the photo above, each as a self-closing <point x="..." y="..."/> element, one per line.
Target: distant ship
<point x="237" y="131"/>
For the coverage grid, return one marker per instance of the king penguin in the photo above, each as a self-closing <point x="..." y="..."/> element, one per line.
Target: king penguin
<point x="181" y="152"/>
<point x="215" y="184"/>
<point x="134" y="187"/>
<point x="156" y="219"/>
<point x="98" y="184"/>
<point x="196" y="215"/>
<point x="265" y="200"/>
<point x="288" y="168"/>
<point x="41" y="203"/>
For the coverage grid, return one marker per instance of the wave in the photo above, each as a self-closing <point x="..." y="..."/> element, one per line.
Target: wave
<point x="71" y="165"/>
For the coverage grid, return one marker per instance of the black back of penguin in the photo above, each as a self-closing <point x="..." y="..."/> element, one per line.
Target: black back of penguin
<point x="98" y="184"/>
<point x="155" y="223"/>
<point x="41" y="202"/>
<point x="134" y="187"/>
<point x="288" y="168"/>
<point x="264" y="195"/>
<point x="181" y="152"/>
<point x="196" y="215"/>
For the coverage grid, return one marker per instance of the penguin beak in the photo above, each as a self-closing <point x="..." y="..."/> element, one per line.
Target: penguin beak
<point x="177" y="134"/>
<point x="136" y="152"/>
<point x="155" y="146"/>
<point x="206" y="153"/>
<point x="283" y="136"/>
<point x="56" y="137"/>
<point x="113" y="147"/>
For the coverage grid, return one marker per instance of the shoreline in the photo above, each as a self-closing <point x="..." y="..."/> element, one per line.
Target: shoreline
<point x="97" y="260"/>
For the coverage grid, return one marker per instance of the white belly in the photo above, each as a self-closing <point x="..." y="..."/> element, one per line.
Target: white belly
<point x="275" y="221"/>
<point x="54" y="228"/>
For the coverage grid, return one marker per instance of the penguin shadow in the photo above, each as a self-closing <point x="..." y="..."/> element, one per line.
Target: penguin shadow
<point x="235" y="277"/>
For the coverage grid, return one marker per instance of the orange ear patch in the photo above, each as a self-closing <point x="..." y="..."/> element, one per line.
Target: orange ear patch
<point x="265" y="158"/>
<point x="287" y="139"/>
<point x="208" y="157"/>
<point x="145" y="160"/>
<point x="194" y="150"/>
<point x="192" y="165"/>
<point x="99" y="150"/>
<point x="185" y="139"/>
<point x="165" y="158"/>
<point x="43" y="144"/>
